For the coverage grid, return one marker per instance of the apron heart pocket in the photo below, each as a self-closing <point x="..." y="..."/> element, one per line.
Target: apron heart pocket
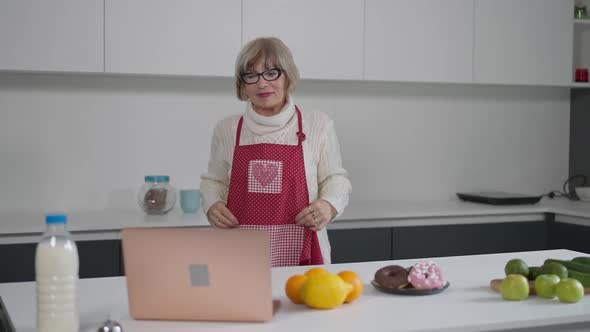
<point x="264" y="173"/>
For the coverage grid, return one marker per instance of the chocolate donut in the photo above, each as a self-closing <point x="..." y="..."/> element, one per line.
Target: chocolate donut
<point x="392" y="276"/>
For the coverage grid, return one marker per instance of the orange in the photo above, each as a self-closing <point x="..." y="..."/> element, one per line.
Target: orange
<point x="315" y="271"/>
<point x="357" y="285"/>
<point x="293" y="288"/>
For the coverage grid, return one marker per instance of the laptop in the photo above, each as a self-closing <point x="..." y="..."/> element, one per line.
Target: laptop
<point x="195" y="273"/>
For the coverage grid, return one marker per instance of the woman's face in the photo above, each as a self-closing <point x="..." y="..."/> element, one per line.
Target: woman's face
<point x="267" y="97"/>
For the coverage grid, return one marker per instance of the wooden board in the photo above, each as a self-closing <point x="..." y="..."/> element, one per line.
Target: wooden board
<point x="495" y="284"/>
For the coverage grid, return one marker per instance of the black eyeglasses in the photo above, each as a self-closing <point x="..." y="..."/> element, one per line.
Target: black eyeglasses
<point x="269" y="75"/>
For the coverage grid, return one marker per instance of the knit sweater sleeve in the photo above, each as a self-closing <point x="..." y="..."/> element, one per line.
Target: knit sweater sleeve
<point x="333" y="183"/>
<point x="215" y="182"/>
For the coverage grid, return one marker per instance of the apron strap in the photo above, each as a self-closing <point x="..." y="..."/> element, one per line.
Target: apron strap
<point x="239" y="131"/>
<point x="300" y="133"/>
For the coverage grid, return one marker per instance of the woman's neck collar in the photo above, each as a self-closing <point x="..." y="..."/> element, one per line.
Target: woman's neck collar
<point x="262" y="124"/>
<point x="270" y="112"/>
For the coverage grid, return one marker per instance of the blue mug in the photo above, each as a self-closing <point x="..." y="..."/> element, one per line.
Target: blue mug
<point x="190" y="200"/>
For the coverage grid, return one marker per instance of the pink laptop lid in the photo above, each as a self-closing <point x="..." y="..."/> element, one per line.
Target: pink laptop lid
<point x="198" y="274"/>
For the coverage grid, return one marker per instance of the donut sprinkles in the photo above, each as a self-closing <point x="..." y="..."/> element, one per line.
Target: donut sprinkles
<point x="426" y="275"/>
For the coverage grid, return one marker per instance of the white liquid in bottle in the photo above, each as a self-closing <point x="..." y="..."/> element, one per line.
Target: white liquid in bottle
<point x="56" y="270"/>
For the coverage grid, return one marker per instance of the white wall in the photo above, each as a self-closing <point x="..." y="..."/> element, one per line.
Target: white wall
<point x="72" y="142"/>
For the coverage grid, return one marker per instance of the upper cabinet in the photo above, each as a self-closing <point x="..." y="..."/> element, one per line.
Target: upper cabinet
<point x="325" y="37"/>
<point x="523" y="42"/>
<point x="177" y="37"/>
<point x="58" y="35"/>
<point x="427" y="41"/>
<point x="527" y="42"/>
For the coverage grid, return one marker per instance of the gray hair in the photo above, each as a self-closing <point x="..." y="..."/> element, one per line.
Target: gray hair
<point x="275" y="53"/>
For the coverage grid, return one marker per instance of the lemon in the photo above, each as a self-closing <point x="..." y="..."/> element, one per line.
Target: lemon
<point x="325" y="291"/>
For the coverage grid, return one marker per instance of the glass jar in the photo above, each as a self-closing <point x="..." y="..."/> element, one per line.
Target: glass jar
<point x="156" y="196"/>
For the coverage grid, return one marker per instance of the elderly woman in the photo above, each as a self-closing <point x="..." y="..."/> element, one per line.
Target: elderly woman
<point x="275" y="167"/>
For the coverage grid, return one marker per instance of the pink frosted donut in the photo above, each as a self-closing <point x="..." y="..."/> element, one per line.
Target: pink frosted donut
<point x="426" y="275"/>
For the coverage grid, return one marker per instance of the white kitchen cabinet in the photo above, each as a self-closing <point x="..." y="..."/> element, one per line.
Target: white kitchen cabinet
<point x="427" y="41"/>
<point x="523" y="42"/>
<point x="325" y="36"/>
<point x="58" y="35"/>
<point x="174" y="37"/>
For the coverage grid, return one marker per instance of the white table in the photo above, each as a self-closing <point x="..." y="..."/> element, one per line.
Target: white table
<point x="467" y="305"/>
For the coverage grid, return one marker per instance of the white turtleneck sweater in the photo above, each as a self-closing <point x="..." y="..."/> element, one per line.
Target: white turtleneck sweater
<point x="326" y="178"/>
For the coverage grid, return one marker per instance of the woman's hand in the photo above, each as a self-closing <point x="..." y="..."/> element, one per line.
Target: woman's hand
<point x="316" y="215"/>
<point x="219" y="216"/>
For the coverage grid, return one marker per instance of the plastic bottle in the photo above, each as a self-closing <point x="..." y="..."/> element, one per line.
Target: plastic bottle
<point x="56" y="272"/>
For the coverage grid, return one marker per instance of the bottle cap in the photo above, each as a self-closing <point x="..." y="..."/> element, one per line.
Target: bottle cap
<point x="157" y="178"/>
<point x="56" y="219"/>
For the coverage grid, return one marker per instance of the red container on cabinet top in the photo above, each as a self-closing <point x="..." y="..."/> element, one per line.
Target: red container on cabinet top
<point x="581" y="74"/>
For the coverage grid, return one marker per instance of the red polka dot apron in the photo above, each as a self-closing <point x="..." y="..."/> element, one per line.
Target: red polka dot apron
<point x="267" y="190"/>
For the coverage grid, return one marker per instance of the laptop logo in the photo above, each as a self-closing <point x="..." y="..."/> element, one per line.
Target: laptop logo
<point x="199" y="274"/>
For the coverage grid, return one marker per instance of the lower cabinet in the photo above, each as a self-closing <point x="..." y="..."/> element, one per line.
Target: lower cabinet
<point x="103" y="258"/>
<point x="99" y="258"/>
<point x="18" y="262"/>
<point x="360" y="245"/>
<point x="569" y="236"/>
<point x="371" y="244"/>
<point x="468" y="239"/>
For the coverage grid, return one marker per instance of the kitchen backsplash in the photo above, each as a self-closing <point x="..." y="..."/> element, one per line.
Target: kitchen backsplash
<point x="76" y="142"/>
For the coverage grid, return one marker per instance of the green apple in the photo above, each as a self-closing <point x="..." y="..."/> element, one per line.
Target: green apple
<point x="569" y="290"/>
<point x="515" y="287"/>
<point x="545" y="285"/>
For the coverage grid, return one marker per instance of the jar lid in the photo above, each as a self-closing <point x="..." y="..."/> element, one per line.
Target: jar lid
<point x="56" y="219"/>
<point x="157" y="178"/>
